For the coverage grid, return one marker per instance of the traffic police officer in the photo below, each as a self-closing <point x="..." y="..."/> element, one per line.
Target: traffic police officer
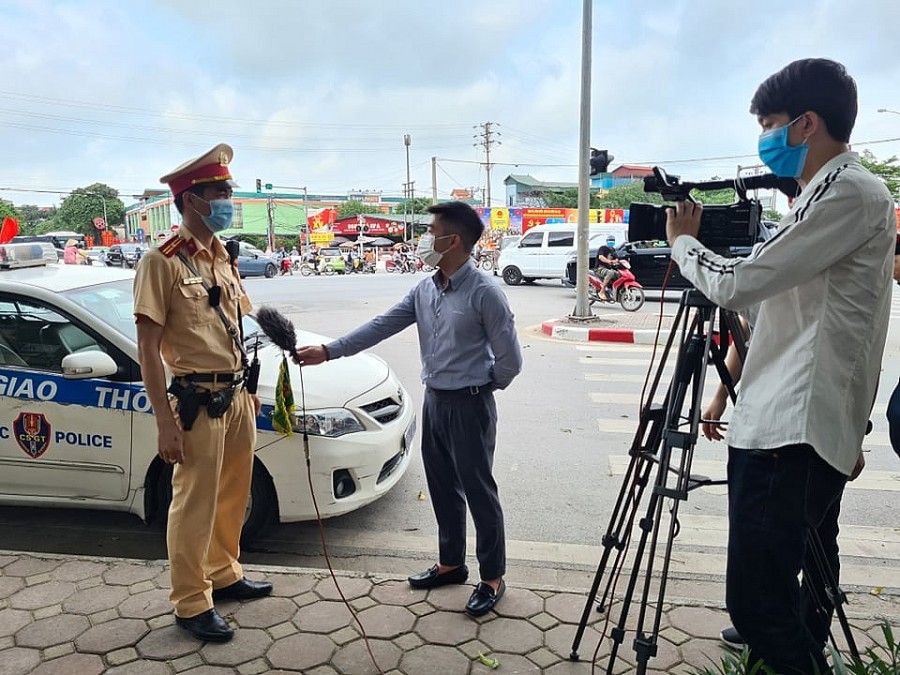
<point x="187" y="303"/>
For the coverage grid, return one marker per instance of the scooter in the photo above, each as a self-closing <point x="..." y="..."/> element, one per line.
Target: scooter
<point x="626" y="290"/>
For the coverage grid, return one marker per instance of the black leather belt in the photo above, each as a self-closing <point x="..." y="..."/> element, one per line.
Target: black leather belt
<point x="215" y="378"/>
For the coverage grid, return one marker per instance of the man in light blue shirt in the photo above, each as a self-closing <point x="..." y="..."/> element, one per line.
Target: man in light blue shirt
<point x="469" y="348"/>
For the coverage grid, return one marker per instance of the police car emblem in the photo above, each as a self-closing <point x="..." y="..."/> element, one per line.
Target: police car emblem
<point x="32" y="432"/>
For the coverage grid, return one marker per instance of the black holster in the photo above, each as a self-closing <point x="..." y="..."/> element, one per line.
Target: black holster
<point x="190" y="398"/>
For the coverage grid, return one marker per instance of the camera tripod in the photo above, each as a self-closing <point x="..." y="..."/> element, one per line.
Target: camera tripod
<point x="665" y="439"/>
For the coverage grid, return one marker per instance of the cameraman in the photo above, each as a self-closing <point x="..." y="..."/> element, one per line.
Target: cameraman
<point x="820" y="290"/>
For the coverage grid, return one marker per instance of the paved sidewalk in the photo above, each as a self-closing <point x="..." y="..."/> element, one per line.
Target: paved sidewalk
<point x="84" y="616"/>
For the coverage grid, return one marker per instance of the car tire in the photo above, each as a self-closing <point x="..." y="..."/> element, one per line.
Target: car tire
<point x="512" y="275"/>
<point x="271" y="271"/>
<point x="262" y="508"/>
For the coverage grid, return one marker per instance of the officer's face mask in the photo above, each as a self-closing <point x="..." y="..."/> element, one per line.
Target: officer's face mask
<point x="221" y="213"/>
<point x="782" y="159"/>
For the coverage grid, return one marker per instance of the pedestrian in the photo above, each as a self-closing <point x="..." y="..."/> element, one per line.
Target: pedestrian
<point x="188" y="301"/>
<point x="813" y="364"/>
<point x="469" y="349"/>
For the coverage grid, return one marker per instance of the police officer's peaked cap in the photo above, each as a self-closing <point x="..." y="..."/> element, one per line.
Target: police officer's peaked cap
<point x="210" y="167"/>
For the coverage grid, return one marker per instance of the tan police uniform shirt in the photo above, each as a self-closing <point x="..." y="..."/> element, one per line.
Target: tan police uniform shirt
<point x="165" y="291"/>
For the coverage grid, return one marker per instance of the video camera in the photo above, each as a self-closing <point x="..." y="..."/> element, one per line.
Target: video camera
<point x="721" y="226"/>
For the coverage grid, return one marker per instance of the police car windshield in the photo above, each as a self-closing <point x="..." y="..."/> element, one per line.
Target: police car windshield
<point x="112" y="303"/>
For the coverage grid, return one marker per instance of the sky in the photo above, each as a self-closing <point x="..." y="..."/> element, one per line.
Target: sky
<point x="319" y="94"/>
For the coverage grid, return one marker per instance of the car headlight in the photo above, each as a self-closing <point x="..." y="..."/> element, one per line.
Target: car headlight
<point x="330" y="423"/>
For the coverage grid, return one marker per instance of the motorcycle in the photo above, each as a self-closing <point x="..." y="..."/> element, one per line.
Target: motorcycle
<point x="626" y="290"/>
<point x="402" y="266"/>
<point x="286" y="266"/>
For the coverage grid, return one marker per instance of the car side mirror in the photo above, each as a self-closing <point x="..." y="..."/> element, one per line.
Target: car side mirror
<point x="85" y="365"/>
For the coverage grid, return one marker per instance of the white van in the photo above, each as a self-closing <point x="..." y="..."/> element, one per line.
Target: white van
<point x="543" y="251"/>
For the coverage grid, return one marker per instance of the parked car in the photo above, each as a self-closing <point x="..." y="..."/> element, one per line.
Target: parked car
<point x="253" y="262"/>
<point x="124" y="255"/>
<point x="77" y="428"/>
<point x="97" y="254"/>
<point x="505" y="243"/>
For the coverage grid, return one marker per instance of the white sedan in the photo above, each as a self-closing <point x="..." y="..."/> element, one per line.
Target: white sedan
<point x="77" y="429"/>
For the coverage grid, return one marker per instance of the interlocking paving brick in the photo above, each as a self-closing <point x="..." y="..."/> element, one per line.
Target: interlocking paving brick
<point x="146" y="605"/>
<point x="700" y="622"/>
<point x="567" y="667"/>
<point x="519" y="603"/>
<point x="120" y="656"/>
<point x="395" y="593"/>
<point x="421" y="609"/>
<point x="291" y="585"/>
<point x="91" y="582"/>
<point x="78" y="570"/>
<point x="112" y="635"/>
<point x="473" y="647"/>
<point x="163" y="580"/>
<point x="103" y="616"/>
<point x="208" y="670"/>
<point x="7" y="559"/>
<point x="19" y="661"/>
<point x="446" y="628"/>
<point x="126" y="574"/>
<point x="47" y="612"/>
<point x="510" y="635"/>
<point x="53" y="631"/>
<point x="57" y="650"/>
<point x="282" y="630"/>
<point x="323" y="617"/>
<point x="359" y="604"/>
<point x="35" y="597"/>
<point x="140" y="668"/>
<point x="36" y="579"/>
<point x="544" y="621"/>
<point x="344" y="635"/>
<point x="568" y="608"/>
<point x="26" y="567"/>
<point x="158" y="622"/>
<point x="667" y="655"/>
<point x="408" y="642"/>
<point x="351" y="588"/>
<point x="318" y="670"/>
<point x="301" y="652"/>
<point x="452" y="598"/>
<point x="95" y="599"/>
<point x="386" y="621"/>
<point x="699" y="652"/>
<point x="265" y="612"/>
<point x="543" y="657"/>
<point x="434" y="661"/>
<point x="10" y="585"/>
<point x="253" y="667"/>
<point x="675" y="636"/>
<point x="141" y="586"/>
<point x="247" y="644"/>
<point x="11" y="620"/>
<point x="7" y="642"/>
<point x="83" y="664"/>
<point x="559" y="640"/>
<point x="167" y="643"/>
<point x="354" y="657"/>
<point x="187" y="662"/>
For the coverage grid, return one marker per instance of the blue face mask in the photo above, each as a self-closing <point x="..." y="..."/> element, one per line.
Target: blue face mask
<point x="782" y="159"/>
<point x="221" y="213"/>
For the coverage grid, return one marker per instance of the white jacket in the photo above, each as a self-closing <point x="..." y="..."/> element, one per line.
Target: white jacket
<point x="823" y="284"/>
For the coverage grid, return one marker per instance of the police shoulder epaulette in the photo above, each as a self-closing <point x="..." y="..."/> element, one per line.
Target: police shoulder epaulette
<point x="171" y="245"/>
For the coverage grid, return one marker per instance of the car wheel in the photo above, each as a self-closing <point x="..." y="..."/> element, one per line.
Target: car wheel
<point x="262" y="507"/>
<point x="271" y="271"/>
<point x="512" y="276"/>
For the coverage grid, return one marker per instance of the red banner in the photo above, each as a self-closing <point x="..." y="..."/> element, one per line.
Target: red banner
<point x="324" y="218"/>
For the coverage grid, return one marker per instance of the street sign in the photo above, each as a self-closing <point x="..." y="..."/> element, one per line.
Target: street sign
<point x="99" y="223"/>
<point x="140" y="234"/>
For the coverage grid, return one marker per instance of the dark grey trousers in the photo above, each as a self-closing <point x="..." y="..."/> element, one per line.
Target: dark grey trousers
<point x="459" y="431"/>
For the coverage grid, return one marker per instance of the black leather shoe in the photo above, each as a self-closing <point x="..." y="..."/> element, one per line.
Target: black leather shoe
<point x="484" y="598"/>
<point x="243" y="590"/>
<point x="431" y="579"/>
<point x="209" y="627"/>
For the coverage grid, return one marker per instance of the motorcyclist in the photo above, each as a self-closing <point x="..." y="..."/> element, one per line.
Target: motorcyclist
<point x="607" y="266"/>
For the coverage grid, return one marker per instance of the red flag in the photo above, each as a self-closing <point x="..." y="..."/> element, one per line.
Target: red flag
<point x="324" y="218"/>
<point x="9" y="230"/>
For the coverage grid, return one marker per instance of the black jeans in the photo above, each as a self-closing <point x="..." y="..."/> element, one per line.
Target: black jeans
<point x="776" y="499"/>
<point x="459" y="431"/>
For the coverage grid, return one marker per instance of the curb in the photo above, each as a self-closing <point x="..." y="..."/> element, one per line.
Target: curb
<point x="566" y="331"/>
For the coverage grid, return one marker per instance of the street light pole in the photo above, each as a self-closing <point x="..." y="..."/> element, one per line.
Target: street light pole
<point x="888" y="110"/>
<point x="407" y="192"/>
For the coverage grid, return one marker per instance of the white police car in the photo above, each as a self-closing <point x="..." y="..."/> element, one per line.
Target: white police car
<point x="77" y="429"/>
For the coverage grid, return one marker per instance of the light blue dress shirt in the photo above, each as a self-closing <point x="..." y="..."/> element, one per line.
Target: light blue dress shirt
<point x="467" y="333"/>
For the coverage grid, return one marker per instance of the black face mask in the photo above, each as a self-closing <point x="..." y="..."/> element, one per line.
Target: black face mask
<point x="215" y="296"/>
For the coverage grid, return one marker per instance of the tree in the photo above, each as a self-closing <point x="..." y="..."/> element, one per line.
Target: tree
<point x="34" y="216"/>
<point x="888" y="171"/>
<point x="7" y="210"/>
<point x="771" y="214"/>
<point x="563" y="199"/>
<point x="354" y="207"/>
<point x="417" y="205"/>
<point x="78" y="210"/>
<point x="623" y="196"/>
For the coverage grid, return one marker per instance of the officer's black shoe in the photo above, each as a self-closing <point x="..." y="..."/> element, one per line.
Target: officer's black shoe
<point x="484" y="598"/>
<point x="243" y="590"/>
<point x="432" y="579"/>
<point x="209" y="627"/>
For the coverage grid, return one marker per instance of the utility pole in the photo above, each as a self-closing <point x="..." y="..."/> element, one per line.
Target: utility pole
<point x="270" y="211"/>
<point x="582" y="306"/>
<point x="434" y="199"/>
<point x="486" y="140"/>
<point x="407" y="192"/>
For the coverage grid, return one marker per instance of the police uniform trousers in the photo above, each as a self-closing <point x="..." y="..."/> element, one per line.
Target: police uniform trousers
<point x="459" y="432"/>
<point x="210" y="491"/>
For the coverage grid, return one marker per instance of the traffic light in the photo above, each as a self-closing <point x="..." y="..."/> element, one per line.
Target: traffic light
<point x="258" y="185"/>
<point x="600" y="160"/>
